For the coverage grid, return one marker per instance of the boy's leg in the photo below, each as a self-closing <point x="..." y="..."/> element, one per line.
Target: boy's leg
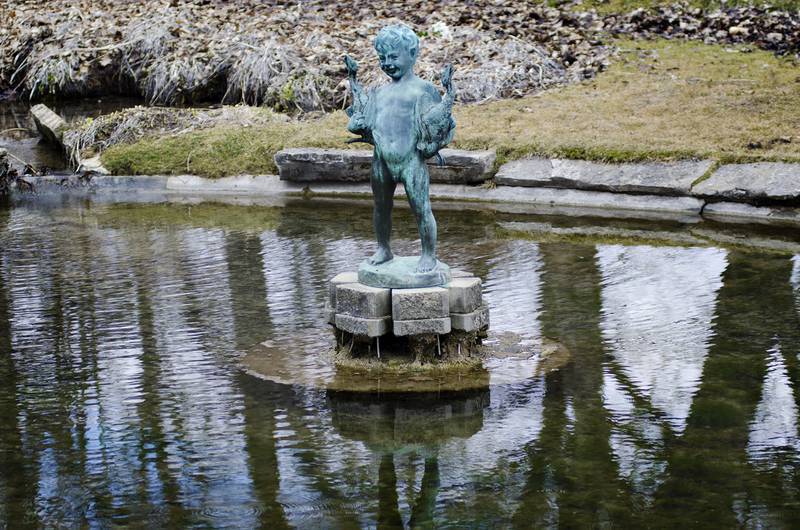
<point x="416" y="182"/>
<point x="383" y="194"/>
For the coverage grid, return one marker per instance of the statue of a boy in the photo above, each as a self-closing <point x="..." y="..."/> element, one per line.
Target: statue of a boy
<point x="408" y="122"/>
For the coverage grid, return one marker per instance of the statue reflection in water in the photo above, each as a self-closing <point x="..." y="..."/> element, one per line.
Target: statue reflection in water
<point x="398" y="423"/>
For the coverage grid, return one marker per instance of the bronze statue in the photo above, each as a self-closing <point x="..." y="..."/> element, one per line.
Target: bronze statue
<point x="407" y="121"/>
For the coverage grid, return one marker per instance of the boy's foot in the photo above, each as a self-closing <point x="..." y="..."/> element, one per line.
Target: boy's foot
<point x="426" y="263"/>
<point x="381" y="256"/>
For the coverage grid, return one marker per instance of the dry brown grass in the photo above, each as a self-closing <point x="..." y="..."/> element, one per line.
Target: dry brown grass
<point x="660" y="100"/>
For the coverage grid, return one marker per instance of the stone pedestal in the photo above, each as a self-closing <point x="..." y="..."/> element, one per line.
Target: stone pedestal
<point x="400" y="273"/>
<point x="450" y="318"/>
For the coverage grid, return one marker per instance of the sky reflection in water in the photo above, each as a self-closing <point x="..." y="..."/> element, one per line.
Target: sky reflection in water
<point x="122" y="400"/>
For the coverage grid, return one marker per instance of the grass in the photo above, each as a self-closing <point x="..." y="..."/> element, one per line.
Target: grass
<point x="660" y="100"/>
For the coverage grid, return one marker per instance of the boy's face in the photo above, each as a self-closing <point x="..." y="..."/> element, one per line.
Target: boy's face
<point x="396" y="61"/>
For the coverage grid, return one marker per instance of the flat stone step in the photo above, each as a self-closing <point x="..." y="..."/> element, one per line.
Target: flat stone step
<point x="50" y="124"/>
<point x="348" y="165"/>
<point x="653" y="178"/>
<point x="757" y="183"/>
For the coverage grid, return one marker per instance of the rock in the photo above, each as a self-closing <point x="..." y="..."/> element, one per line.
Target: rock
<point x="774" y="37"/>
<point x="50" y="124"/>
<point x="342" y="277"/>
<point x="362" y="301"/>
<point x="462" y="167"/>
<point x="736" y="211"/>
<point x="471" y="321"/>
<point x="93" y="165"/>
<point x="657" y="178"/>
<point x="464" y="295"/>
<point x="346" y="165"/>
<point x="435" y="326"/>
<point x="456" y="273"/>
<point x="370" y="327"/>
<point x="314" y="165"/>
<point x="738" y="30"/>
<point x="425" y="303"/>
<point x="757" y="183"/>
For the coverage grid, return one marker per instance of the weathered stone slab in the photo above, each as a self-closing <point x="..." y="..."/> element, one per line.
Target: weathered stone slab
<point x="657" y="178"/>
<point x="50" y="124"/>
<point x="462" y="167"/>
<point x="736" y="211"/>
<point x="400" y="273"/>
<point x="758" y="183"/>
<point x="472" y="321"/>
<point x="465" y="294"/>
<point x="435" y="326"/>
<point x="339" y="279"/>
<point x="362" y="301"/>
<point x="426" y="303"/>
<point x="455" y="273"/>
<point x="348" y="165"/>
<point x="315" y="165"/>
<point x="371" y="327"/>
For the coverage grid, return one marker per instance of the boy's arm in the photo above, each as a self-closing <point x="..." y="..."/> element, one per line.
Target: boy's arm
<point x="358" y="110"/>
<point x="359" y="95"/>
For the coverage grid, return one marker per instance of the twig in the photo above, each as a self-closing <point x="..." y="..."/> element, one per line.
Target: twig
<point x="21" y="161"/>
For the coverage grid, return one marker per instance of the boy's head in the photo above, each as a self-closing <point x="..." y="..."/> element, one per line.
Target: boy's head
<point x="397" y="48"/>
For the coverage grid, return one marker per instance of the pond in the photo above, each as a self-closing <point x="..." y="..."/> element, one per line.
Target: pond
<point x="19" y="136"/>
<point x="125" y="398"/>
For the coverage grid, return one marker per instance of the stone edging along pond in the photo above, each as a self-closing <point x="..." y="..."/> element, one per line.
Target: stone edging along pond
<point x="759" y="191"/>
<point x="740" y="192"/>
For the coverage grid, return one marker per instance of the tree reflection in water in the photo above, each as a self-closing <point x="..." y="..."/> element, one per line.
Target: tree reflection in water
<point x="122" y="401"/>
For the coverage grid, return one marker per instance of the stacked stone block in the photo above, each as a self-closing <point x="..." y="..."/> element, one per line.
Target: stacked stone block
<point x="373" y="312"/>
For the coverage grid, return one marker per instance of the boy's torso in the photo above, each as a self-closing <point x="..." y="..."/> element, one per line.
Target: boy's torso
<point x="394" y="118"/>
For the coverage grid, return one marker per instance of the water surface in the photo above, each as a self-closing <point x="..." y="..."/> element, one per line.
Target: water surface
<point x="123" y="400"/>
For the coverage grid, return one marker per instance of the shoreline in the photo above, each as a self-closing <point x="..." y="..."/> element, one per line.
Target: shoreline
<point x="505" y="199"/>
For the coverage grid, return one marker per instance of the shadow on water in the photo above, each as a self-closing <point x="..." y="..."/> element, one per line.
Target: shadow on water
<point x="671" y="398"/>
